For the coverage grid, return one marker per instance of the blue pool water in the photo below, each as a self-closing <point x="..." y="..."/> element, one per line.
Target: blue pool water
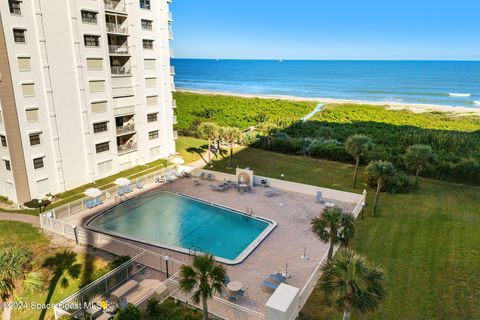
<point x="182" y="223"/>
<point x="453" y="83"/>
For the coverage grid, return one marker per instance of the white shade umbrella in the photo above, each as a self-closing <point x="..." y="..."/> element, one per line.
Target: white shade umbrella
<point x="178" y="161"/>
<point x="122" y="182"/>
<point x="93" y="192"/>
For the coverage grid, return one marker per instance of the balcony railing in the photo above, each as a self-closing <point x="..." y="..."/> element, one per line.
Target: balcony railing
<point x="130" y="128"/>
<point x="174" y="104"/>
<point x="116" y="49"/>
<point x="121" y="71"/>
<point x="174" y="120"/>
<point x="117" y="28"/>
<point x="128" y="147"/>
<point x="173" y="87"/>
<point x="170" y="16"/>
<point x="114" y="5"/>
<point x="175" y="135"/>
<point x="172" y="70"/>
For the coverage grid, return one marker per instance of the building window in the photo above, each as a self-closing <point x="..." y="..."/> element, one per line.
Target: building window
<point x="147" y="44"/>
<point x="19" y="35"/>
<point x="147" y="24"/>
<point x="89" y="17"/>
<point x="94" y="63"/>
<point x="152" y="101"/>
<point x="24" y="63"/>
<point x="97" y="85"/>
<point x="7" y="165"/>
<point x="150" y="82"/>
<point x="31" y="115"/>
<point x="14" y="6"/>
<point x="152" y="117"/>
<point x="3" y="140"/>
<point x="102" y="147"/>
<point x="28" y="90"/>
<point x="149" y="63"/>
<point x="145" y="4"/>
<point x="100" y="127"/>
<point x="91" y="41"/>
<point x="153" y="135"/>
<point x="35" y="139"/>
<point x="38" y="163"/>
<point x="98" y="107"/>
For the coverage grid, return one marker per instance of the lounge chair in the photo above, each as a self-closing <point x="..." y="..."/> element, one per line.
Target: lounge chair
<point x="88" y="204"/>
<point x="268" y="286"/>
<point x="138" y="185"/>
<point x="277" y="277"/>
<point x="210" y="177"/>
<point x="202" y="176"/>
<point x="97" y="201"/>
<point x="271" y="193"/>
<point x="226" y="280"/>
<point x="120" y="192"/>
<point x="128" y="189"/>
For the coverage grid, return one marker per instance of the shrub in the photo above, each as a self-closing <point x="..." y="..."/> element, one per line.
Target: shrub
<point x="33" y="204"/>
<point x="400" y="183"/>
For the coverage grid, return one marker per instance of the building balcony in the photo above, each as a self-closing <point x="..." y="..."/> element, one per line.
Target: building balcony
<point x="174" y="104"/>
<point x="126" y="129"/>
<point x="121" y="71"/>
<point x="172" y="70"/>
<point x="119" y="50"/>
<point x="128" y="147"/>
<point x="118" y="6"/>
<point x="117" y="28"/>
<point x="175" y="135"/>
<point x="170" y="17"/>
<point x="174" y="120"/>
<point x="173" y="87"/>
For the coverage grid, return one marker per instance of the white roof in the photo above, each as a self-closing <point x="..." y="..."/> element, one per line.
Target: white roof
<point x="282" y="298"/>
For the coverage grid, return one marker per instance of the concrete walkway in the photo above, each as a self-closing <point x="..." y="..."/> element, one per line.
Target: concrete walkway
<point x="33" y="220"/>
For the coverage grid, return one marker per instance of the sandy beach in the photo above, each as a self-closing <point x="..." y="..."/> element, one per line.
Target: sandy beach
<point x="390" y="104"/>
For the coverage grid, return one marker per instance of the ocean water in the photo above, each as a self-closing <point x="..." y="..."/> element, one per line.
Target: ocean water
<point x="451" y="83"/>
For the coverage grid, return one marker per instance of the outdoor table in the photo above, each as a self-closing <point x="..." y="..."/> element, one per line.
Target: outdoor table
<point x="330" y="204"/>
<point x="234" y="286"/>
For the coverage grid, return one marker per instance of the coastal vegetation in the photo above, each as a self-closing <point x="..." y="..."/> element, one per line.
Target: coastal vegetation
<point x="454" y="138"/>
<point x="424" y="240"/>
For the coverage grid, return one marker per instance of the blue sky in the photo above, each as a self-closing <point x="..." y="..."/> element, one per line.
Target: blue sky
<point x="323" y="29"/>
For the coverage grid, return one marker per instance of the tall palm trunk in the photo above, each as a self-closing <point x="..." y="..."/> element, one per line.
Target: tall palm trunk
<point x="231" y="155"/>
<point x="7" y="311"/>
<point x="346" y="314"/>
<point x="357" y="162"/>
<point x="330" y="251"/>
<point x="205" y="308"/>
<point x="377" y="194"/>
<point x="209" y="151"/>
<point x="417" y="173"/>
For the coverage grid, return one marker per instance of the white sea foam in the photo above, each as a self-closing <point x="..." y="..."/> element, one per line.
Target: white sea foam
<point x="477" y="103"/>
<point x="463" y="95"/>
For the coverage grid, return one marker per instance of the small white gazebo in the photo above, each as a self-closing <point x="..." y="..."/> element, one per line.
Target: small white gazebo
<point x="178" y="161"/>
<point x="93" y="192"/>
<point x="122" y="182"/>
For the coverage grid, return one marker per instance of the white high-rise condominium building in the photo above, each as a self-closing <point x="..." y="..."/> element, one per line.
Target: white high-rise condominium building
<point x="85" y="91"/>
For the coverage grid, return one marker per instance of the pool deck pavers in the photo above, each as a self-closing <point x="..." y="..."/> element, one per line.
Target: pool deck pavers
<point x="284" y="246"/>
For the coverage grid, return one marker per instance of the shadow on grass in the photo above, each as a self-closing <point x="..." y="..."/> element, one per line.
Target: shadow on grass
<point x="61" y="264"/>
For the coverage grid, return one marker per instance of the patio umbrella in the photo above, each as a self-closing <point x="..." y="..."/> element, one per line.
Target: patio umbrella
<point x="122" y="182"/>
<point x="93" y="192"/>
<point x="178" y="161"/>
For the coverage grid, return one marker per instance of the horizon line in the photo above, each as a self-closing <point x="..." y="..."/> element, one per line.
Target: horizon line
<point x="293" y="59"/>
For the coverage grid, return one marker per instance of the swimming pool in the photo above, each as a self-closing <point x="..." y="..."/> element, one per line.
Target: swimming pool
<point x="185" y="224"/>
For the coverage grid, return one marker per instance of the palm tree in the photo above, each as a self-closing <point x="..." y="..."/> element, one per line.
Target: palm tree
<point x="380" y="171"/>
<point x="334" y="226"/>
<point x="269" y="130"/>
<point x="419" y="157"/>
<point x="352" y="283"/>
<point x="221" y="137"/>
<point x="202" y="279"/>
<point x="208" y="131"/>
<point x="16" y="269"/>
<point x="358" y="146"/>
<point x="232" y="135"/>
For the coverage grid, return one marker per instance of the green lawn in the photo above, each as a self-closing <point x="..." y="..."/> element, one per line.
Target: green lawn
<point x="190" y="149"/>
<point x="426" y="241"/>
<point x="24" y="234"/>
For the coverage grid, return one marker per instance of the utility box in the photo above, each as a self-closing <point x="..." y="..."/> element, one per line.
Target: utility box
<point x="284" y="303"/>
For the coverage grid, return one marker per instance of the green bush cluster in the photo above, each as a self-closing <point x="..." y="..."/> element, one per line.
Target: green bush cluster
<point x="155" y="310"/>
<point x="454" y="139"/>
